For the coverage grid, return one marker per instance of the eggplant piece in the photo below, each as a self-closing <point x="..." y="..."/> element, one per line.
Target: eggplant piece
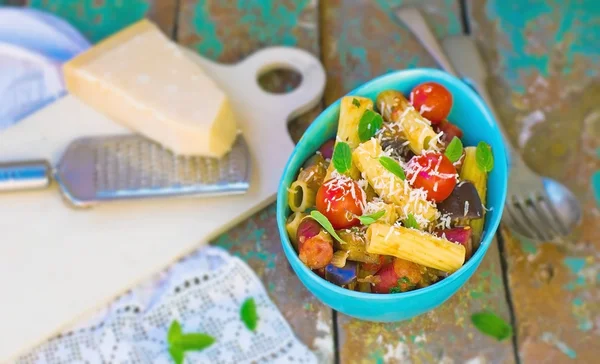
<point x="461" y="235"/>
<point x="342" y="276"/>
<point x="463" y="202"/>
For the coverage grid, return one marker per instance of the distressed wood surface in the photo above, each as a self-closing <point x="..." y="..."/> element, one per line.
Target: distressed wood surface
<point x="544" y="58"/>
<point x="97" y="19"/>
<point x="362" y="40"/>
<point x="228" y="31"/>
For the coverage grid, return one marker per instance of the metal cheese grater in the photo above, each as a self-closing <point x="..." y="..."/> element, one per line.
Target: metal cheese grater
<point x="121" y="167"/>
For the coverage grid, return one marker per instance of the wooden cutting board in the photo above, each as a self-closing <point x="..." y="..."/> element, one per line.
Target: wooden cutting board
<point x="58" y="264"/>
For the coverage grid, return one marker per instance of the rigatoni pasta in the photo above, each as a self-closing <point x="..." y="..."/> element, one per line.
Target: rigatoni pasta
<point x="301" y="196"/>
<point x="351" y="110"/>
<point x="396" y="109"/>
<point x="415" y="246"/>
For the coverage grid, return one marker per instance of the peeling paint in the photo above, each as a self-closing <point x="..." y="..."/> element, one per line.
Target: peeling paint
<point x="562" y="346"/>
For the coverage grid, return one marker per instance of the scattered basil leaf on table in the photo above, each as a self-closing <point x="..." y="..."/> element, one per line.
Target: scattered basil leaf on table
<point x="484" y="157"/>
<point x="179" y="342"/>
<point x="248" y="314"/>
<point x="321" y="219"/>
<point x="342" y="157"/>
<point x="369" y="219"/>
<point x="370" y="122"/>
<point x="492" y="325"/>
<point x="454" y="150"/>
<point x="176" y="354"/>
<point x="411" y="222"/>
<point x="392" y="166"/>
<point x="195" y="341"/>
<point x="355" y="102"/>
<point x="174" y="332"/>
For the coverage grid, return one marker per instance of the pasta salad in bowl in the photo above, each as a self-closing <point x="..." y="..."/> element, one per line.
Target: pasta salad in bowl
<point x="392" y="196"/>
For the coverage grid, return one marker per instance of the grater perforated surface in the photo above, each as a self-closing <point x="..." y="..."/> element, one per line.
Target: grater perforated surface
<point x="131" y="166"/>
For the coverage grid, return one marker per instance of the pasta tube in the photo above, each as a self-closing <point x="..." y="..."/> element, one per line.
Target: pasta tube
<point x="350" y="115"/>
<point x="301" y="197"/>
<point x="389" y="187"/>
<point x="291" y="226"/>
<point x="471" y="172"/>
<point x="415" y="246"/>
<point x="395" y="108"/>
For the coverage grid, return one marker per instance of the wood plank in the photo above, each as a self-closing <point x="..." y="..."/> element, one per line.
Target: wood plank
<point x="544" y="58"/>
<point x="228" y="32"/>
<point x="97" y="19"/>
<point x="362" y="40"/>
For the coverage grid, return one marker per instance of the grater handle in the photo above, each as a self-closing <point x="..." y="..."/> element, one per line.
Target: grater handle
<point x="26" y="175"/>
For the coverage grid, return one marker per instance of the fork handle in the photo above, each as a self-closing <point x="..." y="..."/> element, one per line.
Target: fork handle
<point x="26" y="175"/>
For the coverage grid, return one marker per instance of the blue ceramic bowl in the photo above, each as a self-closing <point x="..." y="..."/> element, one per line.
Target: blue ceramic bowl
<point x="472" y="116"/>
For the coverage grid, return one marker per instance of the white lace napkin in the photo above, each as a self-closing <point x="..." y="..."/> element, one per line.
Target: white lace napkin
<point x="204" y="292"/>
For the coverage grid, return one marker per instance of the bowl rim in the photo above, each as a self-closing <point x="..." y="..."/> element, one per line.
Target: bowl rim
<point x="472" y="263"/>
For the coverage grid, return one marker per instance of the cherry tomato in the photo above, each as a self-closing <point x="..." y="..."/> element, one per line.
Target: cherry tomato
<point x="327" y="149"/>
<point x="316" y="252"/>
<point x="340" y="200"/>
<point x="436" y="175"/>
<point x="387" y="279"/>
<point x="401" y="274"/>
<point x="432" y="100"/>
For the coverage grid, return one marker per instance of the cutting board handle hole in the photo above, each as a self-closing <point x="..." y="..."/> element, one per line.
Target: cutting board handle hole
<point x="279" y="80"/>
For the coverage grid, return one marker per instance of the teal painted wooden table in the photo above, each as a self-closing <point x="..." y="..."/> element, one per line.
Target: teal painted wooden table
<point x="544" y="57"/>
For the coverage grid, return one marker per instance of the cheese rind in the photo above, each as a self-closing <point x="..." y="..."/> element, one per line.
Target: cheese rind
<point x="141" y="79"/>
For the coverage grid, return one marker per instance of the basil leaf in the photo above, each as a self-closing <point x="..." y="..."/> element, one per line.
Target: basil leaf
<point x="369" y="219"/>
<point x="355" y="102"/>
<point x="484" y="157"/>
<point x="454" y="150"/>
<point x="411" y="222"/>
<point x="404" y="280"/>
<point x="370" y="122"/>
<point x="248" y="314"/>
<point x="342" y="157"/>
<point x="395" y="290"/>
<point x="492" y="325"/>
<point x="392" y="166"/>
<point x="194" y="342"/>
<point x="176" y="354"/>
<point x="174" y="332"/>
<point x="321" y="219"/>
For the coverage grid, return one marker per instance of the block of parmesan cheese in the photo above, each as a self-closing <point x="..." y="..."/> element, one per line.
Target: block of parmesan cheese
<point x="141" y="79"/>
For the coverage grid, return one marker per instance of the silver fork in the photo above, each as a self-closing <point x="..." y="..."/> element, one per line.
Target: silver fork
<point x="536" y="207"/>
